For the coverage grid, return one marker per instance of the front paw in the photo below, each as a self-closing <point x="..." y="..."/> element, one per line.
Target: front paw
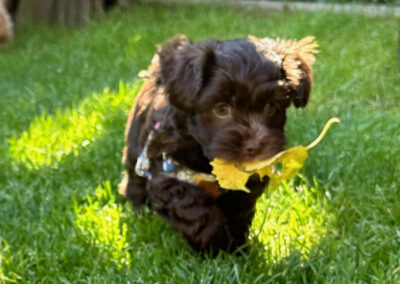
<point x="165" y="192"/>
<point x="190" y="211"/>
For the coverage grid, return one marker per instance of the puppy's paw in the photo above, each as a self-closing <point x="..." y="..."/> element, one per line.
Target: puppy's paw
<point x="190" y="210"/>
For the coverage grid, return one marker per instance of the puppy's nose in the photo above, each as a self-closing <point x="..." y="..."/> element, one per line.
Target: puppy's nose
<point x="251" y="147"/>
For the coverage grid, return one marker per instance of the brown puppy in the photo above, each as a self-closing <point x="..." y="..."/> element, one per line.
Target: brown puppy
<point x="206" y="100"/>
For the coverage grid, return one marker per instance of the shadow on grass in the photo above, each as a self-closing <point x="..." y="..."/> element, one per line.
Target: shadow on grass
<point x="68" y="167"/>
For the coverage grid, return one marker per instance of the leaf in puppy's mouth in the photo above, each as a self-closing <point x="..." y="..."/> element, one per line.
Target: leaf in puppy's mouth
<point x="282" y="166"/>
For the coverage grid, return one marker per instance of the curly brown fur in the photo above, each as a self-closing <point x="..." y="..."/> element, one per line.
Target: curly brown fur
<point x="214" y="99"/>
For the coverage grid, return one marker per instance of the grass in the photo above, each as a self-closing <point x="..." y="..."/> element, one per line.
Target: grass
<point x="64" y="100"/>
<point x="387" y="2"/>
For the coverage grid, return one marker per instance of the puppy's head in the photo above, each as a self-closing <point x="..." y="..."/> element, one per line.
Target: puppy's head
<point x="235" y="93"/>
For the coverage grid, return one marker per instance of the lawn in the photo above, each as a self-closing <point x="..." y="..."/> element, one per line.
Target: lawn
<point x="65" y="95"/>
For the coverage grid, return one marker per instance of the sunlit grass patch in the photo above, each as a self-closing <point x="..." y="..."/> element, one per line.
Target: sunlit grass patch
<point x="5" y="263"/>
<point x="4" y="248"/>
<point x="291" y="220"/>
<point x="52" y="137"/>
<point x="100" y="223"/>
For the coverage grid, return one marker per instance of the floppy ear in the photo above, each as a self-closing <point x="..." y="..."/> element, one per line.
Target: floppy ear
<point x="185" y="69"/>
<point x="296" y="59"/>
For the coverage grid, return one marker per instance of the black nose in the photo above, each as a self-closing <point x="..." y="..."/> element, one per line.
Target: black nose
<point x="252" y="147"/>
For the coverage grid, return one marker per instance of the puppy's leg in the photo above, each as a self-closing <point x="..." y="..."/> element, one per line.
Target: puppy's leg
<point x="238" y="208"/>
<point x="133" y="188"/>
<point x="190" y="211"/>
<point x="208" y="224"/>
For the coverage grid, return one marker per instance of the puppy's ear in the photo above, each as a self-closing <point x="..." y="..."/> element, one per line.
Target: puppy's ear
<point x="296" y="59"/>
<point x="185" y="68"/>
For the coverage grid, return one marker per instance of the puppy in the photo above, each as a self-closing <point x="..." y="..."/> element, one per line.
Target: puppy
<point x="205" y="100"/>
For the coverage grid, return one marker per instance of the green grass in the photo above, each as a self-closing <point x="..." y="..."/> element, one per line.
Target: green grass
<point x="376" y="2"/>
<point x="64" y="99"/>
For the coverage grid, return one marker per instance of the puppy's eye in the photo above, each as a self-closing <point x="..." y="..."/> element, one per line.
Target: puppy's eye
<point x="222" y="110"/>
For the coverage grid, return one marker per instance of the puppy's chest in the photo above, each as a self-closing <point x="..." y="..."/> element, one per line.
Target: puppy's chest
<point x="171" y="139"/>
<point x="180" y="159"/>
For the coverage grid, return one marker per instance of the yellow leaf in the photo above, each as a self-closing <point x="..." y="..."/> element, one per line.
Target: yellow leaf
<point x="292" y="162"/>
<point x="229" y="176"/>
<point x="234" y="176"/>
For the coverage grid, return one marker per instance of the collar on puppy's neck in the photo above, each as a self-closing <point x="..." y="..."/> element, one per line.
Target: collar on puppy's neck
<point x="172" y="168"/>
